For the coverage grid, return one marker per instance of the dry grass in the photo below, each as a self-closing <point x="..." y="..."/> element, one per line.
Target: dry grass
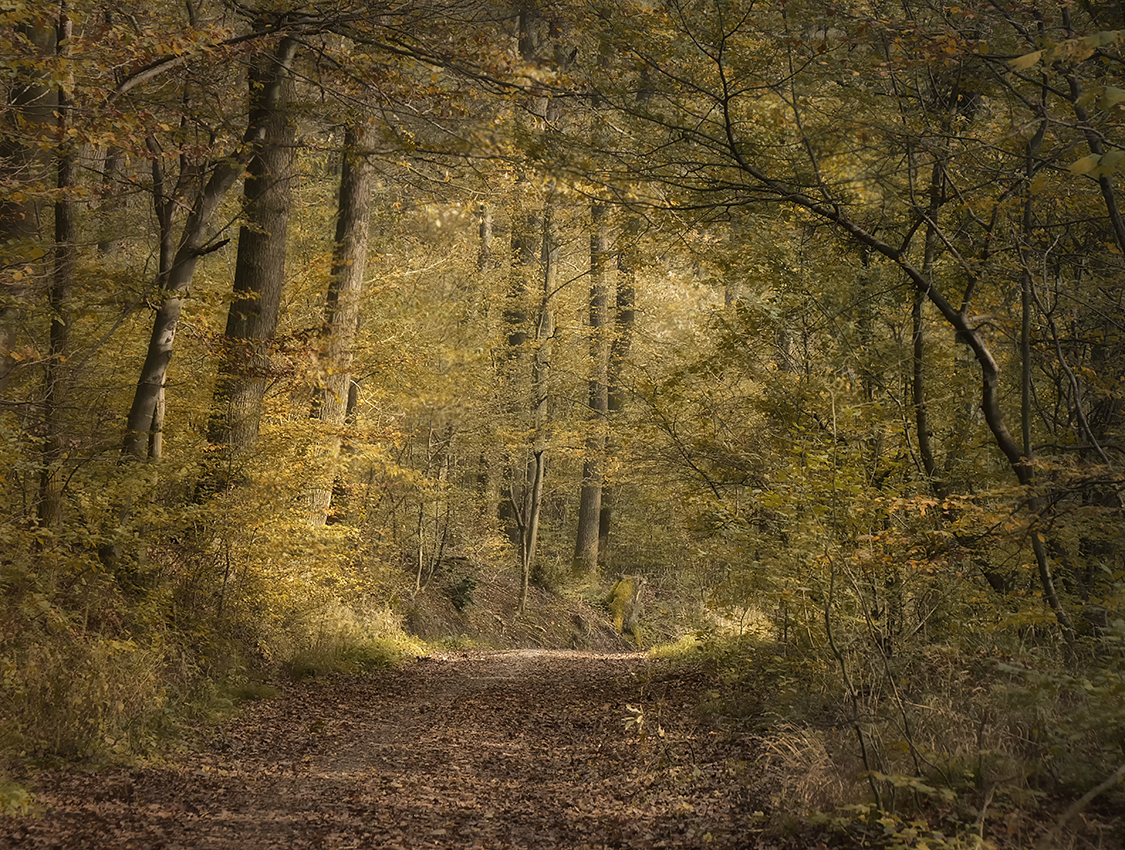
<point x="800" y="764"/>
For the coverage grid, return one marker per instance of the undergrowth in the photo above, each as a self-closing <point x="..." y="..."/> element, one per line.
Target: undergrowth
<point x="953" y="745"/>
<point x="116" y="648"/>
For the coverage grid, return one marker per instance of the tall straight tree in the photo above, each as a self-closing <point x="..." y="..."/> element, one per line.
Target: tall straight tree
<point x="624" y="318"/>
<point x="259" y="275"/>
<point x="593" y="468"/>
<point x="195" y="241"/>
<point x="59" y="292"/>
<point x="341" y="308"/>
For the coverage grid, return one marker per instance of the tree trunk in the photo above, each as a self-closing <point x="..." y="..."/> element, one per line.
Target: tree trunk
<point x="259" y="275"/>
<point x="593" y="470"/>
<point x="59" y="291"/>
<point x="193" y="245"/>
<point x="527" y="241"/>
<point x="485" y="259"/>
<point x="624" y="318"/>
<point x="341" y="308"/>
<point x="540" y="394"/>
<point x="918" y="377"/>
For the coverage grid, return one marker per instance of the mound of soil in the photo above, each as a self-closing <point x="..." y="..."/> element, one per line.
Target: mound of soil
<point x="467" y="608"/>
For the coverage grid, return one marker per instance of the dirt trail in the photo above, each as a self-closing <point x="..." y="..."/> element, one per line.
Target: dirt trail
<point x="492" y="750"/>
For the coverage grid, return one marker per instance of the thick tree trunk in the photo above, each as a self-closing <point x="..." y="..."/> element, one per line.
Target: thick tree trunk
<point x="341" y="308"/>
<point x="593" y="469"/>
<point x="259" y="276"/>
<point x="192" y="245"/>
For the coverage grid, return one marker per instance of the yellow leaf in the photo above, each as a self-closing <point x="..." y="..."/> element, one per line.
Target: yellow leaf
<point x="1110" y="162"/>
<point x="1024" y="62"/>
<point x="1112" y="97"/>
<point x="1086" y="164"/>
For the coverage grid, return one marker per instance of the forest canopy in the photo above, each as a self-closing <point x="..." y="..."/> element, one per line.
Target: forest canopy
<point x="805" y="316"/>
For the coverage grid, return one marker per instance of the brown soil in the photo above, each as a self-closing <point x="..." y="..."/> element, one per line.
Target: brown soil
<point x="524" y="748"/>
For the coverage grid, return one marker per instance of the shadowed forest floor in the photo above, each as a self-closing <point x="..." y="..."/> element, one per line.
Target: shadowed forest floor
<point x="523" y="748"/>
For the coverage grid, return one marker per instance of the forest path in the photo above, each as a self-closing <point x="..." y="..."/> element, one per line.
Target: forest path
<point x="514" y="749"/>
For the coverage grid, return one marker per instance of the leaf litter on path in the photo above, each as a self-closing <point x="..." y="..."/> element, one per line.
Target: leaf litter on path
<point x="510" y="749"/>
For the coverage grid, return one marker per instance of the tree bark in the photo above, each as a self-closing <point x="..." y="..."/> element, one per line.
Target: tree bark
<point x="341" y="308"/>
<point x="259" y="276"/>
<point x="193" y="244"/>
<point x="52" y="476"/>
<point x="624" y="319"/>
<point x="593" y="469"/>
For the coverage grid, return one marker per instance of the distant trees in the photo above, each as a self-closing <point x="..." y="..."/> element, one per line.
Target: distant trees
<point x="931" y="176"/>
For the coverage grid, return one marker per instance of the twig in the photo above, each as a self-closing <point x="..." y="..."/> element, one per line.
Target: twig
<point x="848" y="682"/>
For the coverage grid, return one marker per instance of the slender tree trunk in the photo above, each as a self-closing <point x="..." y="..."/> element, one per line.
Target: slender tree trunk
<point x="164" y="209"/>
<point x="58" y="298"/>
<point x="109" y="202"/>
<point x="1094" y="143"/>
<point x="109" y="236"/>
<point x="341" y="489"/>
<point x="490" y="468"/>
<point x="341" y="309"/>
<point x="593" y="469"/>
<point x="540" y="394"/>
<point x="527" y="241"/>
<point x="485" y="260"/>
<point x="259" y="275"/>
<point x="624" y="319"/>
<point x="918" y="376"/>
<point x="525" y="315"/>
<point x="193" y="244"/>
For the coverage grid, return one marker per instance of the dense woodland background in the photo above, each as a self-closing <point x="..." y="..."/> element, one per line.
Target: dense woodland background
<point x="808" y="314"/>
